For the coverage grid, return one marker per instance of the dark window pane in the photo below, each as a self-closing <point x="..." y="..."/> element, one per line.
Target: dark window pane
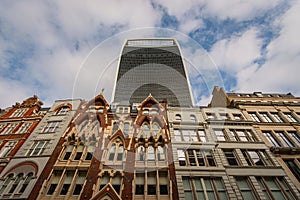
<point x="67" y="156"/>
<point x="51" y="189"/>
<point x="163" y="189"/>
<point x="64" y="189"/>
<point x="151" y="189"/>
<point x="77" y="189"/>
<point x="78" y="156"/>
<point x="89" y="156"/>
<point x="139" y="189"/>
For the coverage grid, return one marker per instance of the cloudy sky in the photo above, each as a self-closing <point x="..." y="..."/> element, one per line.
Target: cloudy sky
<point x="69" y="49"/>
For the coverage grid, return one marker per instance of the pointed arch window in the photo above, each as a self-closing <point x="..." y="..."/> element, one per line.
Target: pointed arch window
<point x="116" y="152"/>
<point x="146" y="130"/>
<point x="161" y="153"/>
<point x="141" y="153"/>
<point x="151" y="153"/>
<point x="27" y="180"/>
<point x="155" y="128"/>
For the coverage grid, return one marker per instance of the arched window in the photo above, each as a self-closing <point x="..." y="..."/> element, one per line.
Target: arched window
<point x="27" y="180"/>
<point x="16" y="183"/>
<point x="112" y="152"/>
<point x="140" y="153"/>
<point x="6" y="183"/>
<point x="178" y="117"/>
<point x="161" y="153"/>
<point x="151" y="153"/>
<point x="116" y="152"/>
<point x="155" y="128"/>
<point x="146" y="130"/>
<point x="193" y="118"/>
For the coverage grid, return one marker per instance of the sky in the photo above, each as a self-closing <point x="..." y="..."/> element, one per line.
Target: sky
<point x="70" y="49"/>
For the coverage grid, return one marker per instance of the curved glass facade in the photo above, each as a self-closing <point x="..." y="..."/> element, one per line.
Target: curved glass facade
<point x="152" y="66"/>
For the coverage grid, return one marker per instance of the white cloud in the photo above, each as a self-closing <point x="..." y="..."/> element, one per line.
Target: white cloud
<point x="281" y="69"/>
<point x="238" y="52"/>
<point x="237" y="9"/>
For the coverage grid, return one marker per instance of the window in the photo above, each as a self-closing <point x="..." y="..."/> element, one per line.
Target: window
<point x="274" y="188"/>
<point x="123" y="110"/>
<point x="116" y="183"/>
<point x="294" y="136"/>
<point x="195" y="157"/>
<point x="181" y="157"/>
<point x="220" y="135"/>
<point x="16" y="183"/>
<point x="116" y="152"/>
<point x="270" y="138"/>
<point x="6" y="182"/>
<point x="285" y="141"/>
<point x="19" y="112"/>
<point x="9" y="129"/>
<point x="27" y="180"/>
<point x="146" y="130"/>
<point x="211" y="116"/>
<point x="254" y="117"/>
<point x="56" y="176"/>
<point x="193" y="118"/>
<point x="266" y="117"/>
<point x="139" y="183"/>
<point x="256" y="157"/>
<point x="37" y="148"/>
<point x="24" y="128"/>
<point x="104" y="180"/>
<point x="68" y="152"/>
<point x="292" y="165"/>
<point x="153" y="153"/>
<point x="140" y="153"/>
<point x="126" y="129"/>
<point x="245" y="187"/>
<point x="290" y="117"/>
<point x="7" y="148"/>
<point x="67" y="182"/>
<point x="237" y="116"/>
<point x="79" y="151"/>
<point x="242" y="135"/>
<point x="177" y="117"/>
<point x="154" y="179"/>
<point x="189" y="135"/>
<point x="204" y="188"/>
<point x="276" y="117"/>
<point x="51" y="127"/>
<point x="79" y="182"/>
<point x="155" y="128"/>
<point x="63" y="111"/>
<point x="2" y="127"/>
<point x="115" y="127"/>
<point x="229" y="154"/>
<point x="224" y="116"/>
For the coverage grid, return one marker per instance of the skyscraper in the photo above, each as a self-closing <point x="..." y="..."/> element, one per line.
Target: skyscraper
<point x="152" y="66"/>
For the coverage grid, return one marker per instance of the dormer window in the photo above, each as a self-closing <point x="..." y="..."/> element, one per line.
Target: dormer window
<point x="178" y="117"/>
<point x="123" y="109"/>
<point x="63" y="110"/>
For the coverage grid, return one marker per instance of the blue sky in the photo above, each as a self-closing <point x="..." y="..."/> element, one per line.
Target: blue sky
<point x="69" y="49"/>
